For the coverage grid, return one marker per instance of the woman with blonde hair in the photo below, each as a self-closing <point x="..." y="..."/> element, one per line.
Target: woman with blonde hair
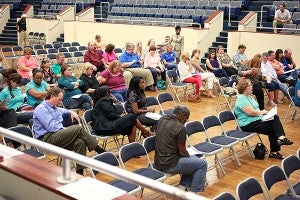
<point x="139" y="48"/>
<point x="90" y="82"/>
<point x="208" y="77"/>
<point x="114" y="79"/>
<point x="186" y="72"/>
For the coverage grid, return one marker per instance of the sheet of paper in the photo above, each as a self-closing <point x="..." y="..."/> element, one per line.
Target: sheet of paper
<point x="8" y="152"/>
<point x="152" y="115"/>
<point x="90" y="188"/>
<point x="77" y="96"/>
<point x="270" y="114"/>
<point x="193" y="151"/>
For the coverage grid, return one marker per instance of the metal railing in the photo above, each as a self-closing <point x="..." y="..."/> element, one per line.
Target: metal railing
<point x="261" y="12"/>
<point x="68" y="156"/>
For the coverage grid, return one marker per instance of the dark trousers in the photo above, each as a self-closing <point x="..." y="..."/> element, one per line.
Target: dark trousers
<point x="147" y="121"/>
<point x="259" y="94"/>
<point x="230" y="71"/>
<point x="154" y="75"/>
<point x="8" y="118"/>
<point x="272" y="128"/>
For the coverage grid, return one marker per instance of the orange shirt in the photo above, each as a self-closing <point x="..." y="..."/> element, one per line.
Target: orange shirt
<point x="279" y="68"/>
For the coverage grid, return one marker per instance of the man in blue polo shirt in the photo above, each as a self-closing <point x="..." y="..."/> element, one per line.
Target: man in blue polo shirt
<point x="131" y="65"/>
<point x="169" y="58"/>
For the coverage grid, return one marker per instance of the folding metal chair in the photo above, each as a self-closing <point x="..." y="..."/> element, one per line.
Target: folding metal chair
<point x="224" y="196"/>
<point x="111" y="159"/>
<point x="164" y="98"/>
<point x="204" y="146"/>
<point x="229" y="97"/>
<point x="249" y="188"/>
<point x="292" y="106"/>
<point x="290" y="165"/>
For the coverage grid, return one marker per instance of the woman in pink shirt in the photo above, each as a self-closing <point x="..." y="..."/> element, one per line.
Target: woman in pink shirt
<point x="153" y="63"/>
<point x="27" y="63"/>
<point x="114" y="79"/>
<point x="109" y="55"/>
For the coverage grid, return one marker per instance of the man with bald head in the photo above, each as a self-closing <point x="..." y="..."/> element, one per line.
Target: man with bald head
<point x="289" y="64"/>
<point x="94" y="57"/>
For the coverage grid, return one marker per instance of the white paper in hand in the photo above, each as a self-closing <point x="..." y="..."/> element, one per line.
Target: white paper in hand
<point x="154" y="116"/>
<point x="270" y="114"/>
<point x="193" y="151"/>
<point x="77" y="96"/>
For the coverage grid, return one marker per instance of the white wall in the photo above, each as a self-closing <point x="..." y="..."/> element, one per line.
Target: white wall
<point x="262" y="42"/>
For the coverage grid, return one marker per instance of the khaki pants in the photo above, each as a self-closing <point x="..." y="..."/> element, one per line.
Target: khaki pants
<point x="275" y="24"/>
<point x="23" y="38"/>
<point x="138" y="72"/>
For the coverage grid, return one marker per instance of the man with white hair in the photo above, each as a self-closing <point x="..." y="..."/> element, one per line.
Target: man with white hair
<point x="21" y="28"/>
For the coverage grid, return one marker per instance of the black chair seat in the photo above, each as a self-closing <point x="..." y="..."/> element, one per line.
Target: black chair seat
<point x="207" y="147"/>
<point x="238" y="134"/>
<point x="33" y="153"/>
<point x="128" y="187"/>
<point x="221" y="140"/>
<point x="149" y="173"/>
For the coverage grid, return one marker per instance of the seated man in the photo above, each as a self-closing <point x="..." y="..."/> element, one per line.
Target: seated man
<point x="282" y="16"/>
<point x="171" y="155"/>
<point x="93" y="56"/>
<point x="56" y="67"/>
<point x="131" y="64"/>
<point x="240" y="59"/>
<point x="48" y="127"/>
<point x="289" y="64"/>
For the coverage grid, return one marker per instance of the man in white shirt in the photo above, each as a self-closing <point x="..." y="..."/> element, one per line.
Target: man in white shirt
<point x="282" y="16"/>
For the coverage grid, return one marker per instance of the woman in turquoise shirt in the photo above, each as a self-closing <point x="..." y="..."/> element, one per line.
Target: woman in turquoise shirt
<point x="249" y="118"/>
<point x="73" y="97"/>
<point x="36" y="89"/>
<point x="15" y="99"/>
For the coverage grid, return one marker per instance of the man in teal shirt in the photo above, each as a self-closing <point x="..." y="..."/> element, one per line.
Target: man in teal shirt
<point x="56" y="67"/>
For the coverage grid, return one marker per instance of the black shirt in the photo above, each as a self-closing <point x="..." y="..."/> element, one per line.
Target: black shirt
<point x="22" y="25"/>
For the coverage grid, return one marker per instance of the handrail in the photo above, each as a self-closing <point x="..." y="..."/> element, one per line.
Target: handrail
<point x="261" y="12"/>
<point x="100" y="166"/>
<point x="101" y="6"/>
<point x="57" y="22"/>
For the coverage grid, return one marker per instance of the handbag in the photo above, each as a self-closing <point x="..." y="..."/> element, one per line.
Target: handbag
<point x="192" y="98"/>
<point x="260" y="151"/>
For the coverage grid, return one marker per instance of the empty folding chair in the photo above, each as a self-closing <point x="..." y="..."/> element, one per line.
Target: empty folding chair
<point x="51" y="56"/>
<point x="249" y="188"/>
<point x="48" y="46"/>
<point x="53" y="50"/>
<point x="111" y="159"/>
<point x="290" y="165"/>
<point x="134" y="151"/>
<point x="224" y="196"/>
<point x="8" y="55"/>
<point x="36" y="38"/>
<point x="208" y="149"/>
<point x="273" y="175"/>
<point x="164" y="98"/>
<point x="57" y="45"/>
<point x="24" y="130"/>
<point x="228" y="93"/>
<point x="18" y="51"/>
<point x="289" y="28"/>
<point x="227" y="116"/>
<point x="63" y="50"/>
<point x="41" y="53"/>
<point x="37" y="46"/>
<point x="82" y="49"/>
<point x="66" y="44"/>
<point x="220" y="139"/>
<point x="75" y="44"/>
<point x="42" y="38"/>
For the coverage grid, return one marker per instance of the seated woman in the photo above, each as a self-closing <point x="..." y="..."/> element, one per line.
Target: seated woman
<point x="297" y="93"/>
<point x="136" y="103"/>
<point x="214" y="65"/>
<point x="73" y="97"/>
<point x="152" y="62"/>
<point x="207" y="77"/>
<point x="27" y="63"/>
<point x="49" y="75"/>
<point x="90" y="82"/>
<point x="106" y="121"/>
<point x="249" y="118"/>
<point x="114" y="79"/>
<point x="186" y="73"/>
<point x="225" y="61"/>
<point x="14" y="98"/>
<point x="36" y="89"/>
<point x="109" y="55"/>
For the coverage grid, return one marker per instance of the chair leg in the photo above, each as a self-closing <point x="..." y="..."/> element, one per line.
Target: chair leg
<point x="219" y="163"/>
<point x="249" y="149"/>
<point x="287" y="113"/>
<point x="235" y="156"/>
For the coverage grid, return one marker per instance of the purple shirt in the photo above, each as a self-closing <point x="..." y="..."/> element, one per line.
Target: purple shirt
<point x="114" y="81"/>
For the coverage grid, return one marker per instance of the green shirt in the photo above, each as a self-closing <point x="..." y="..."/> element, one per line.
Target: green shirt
<point x="241" y="102"/>
<point x="56" y="68"/>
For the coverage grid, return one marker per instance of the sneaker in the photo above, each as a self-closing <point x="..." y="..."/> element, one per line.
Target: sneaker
<point x="277" y="101"/>
<point x="276" y="155"/>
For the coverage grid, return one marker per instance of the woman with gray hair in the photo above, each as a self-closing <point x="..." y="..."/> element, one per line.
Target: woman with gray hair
<point x="90" y="82"/>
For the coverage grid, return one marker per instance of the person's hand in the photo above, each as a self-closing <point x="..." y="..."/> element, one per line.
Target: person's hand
<point x="76" y="85"/>
<point x="151" y="109"/>
<point x="264" y="111"/>
<point x="94" y="68"/>
<point x="158" y="70"/>
<point x="74" y="116"/>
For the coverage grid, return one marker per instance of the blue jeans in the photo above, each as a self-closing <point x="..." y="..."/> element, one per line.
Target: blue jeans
<point x="193" y="172"/>
<point x="220" y="73"/>
<point x="121" y="95"/>
<point x="85" y="102"/>
<point x="283" y="88"/>
<point x="171" y="66"/>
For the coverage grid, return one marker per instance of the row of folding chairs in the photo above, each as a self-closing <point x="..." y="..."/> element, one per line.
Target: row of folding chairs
<point x="36" y="38"/>
<point x="288" y="174"/>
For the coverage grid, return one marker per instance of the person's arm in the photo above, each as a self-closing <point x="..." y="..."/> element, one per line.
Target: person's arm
<point x="37" y="95"/>
<point x="195" y="63"/>
<point x="64" y="83"/>
<point x="108" y="110"/>
<point x="137" y="111"/>
<point x="181" y="140"/>
<point x="249" y="110"/>
<point x="298" y="93"/>
<point x="85" y="88"/>
<point x="125" y="63"/>
<point x="21" y="65"/>
<point x="207" y="62"/>
<point x="183" y="69"/>
<point x="87" y="57"/>
<point x="147" y="61"/>
<point x="182" y="43"/>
